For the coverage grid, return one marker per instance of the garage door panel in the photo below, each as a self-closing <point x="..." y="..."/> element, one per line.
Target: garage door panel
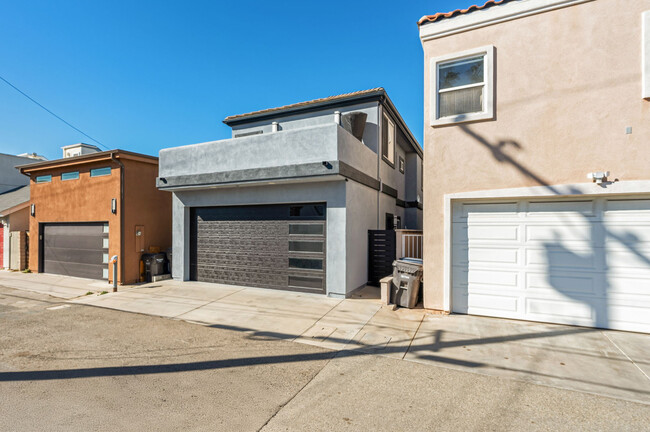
<point x="89" y="271"/>
<point x="69" y="255"/>
<point x="555" y="284"/>
<point x="633" y="235"/>
<point x="557" y="234"/>
<point x="487" y="277"/>
<point x="561" y="257"/>
<point x="561" y="211"/>
<point x="493" y="232"/>
<point x="491" y="304"/>
<point x="628" y="286"/>
<point x="491" y="211"/>
<point x="571" y="262"/>
<point x="569" y="312"/>
<point x="488" y="256"/>
<point x="627" y="209"/>
<point x="637" y="260"/>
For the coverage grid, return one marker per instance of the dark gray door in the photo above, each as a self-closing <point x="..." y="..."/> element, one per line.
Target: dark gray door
<point x="272" y="246"/>
<point x="75" y="249"/>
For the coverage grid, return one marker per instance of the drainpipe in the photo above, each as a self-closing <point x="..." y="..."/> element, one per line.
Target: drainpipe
<point x="117" y="161"/>
<point x="337" y="117"/>
<point x="274" y="127"/>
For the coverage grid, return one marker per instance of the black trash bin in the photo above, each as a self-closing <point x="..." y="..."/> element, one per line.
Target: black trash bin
<point x="154" y="265"/>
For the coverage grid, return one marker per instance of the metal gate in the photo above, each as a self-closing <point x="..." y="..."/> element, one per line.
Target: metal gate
<point x="381" y="254"/>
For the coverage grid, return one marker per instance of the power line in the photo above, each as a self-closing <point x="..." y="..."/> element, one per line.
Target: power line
<point x="31" y="99"/>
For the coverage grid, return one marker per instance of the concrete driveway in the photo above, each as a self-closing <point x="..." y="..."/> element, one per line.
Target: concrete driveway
<point x="610" y="363"/>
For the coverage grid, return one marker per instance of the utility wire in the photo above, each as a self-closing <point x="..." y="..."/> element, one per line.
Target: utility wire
<point x="31" y="99"/>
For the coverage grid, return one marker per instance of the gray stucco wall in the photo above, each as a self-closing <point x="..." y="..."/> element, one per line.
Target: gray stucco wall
<point x="361" y="204"/>
<point x="315" y="144"/>
<point x="10" y="177"/>
<point x="317" y="118"/>
<point x="332" y="192"/>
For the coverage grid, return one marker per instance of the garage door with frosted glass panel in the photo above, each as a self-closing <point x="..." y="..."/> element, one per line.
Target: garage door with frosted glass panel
<point x="75" y="249"/>
<point x="571" y="262"/>
<point x="270" y="246"/>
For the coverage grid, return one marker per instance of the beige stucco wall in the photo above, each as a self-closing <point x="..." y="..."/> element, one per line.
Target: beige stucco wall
<point x="568" y="83"/>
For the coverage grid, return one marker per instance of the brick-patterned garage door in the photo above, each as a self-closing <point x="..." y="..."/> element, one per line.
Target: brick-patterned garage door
<point x="272" y="246"/>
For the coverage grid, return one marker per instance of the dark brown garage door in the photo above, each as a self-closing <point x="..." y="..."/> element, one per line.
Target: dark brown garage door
<point x="75" y="249"/>
<point x="270" y="246"/>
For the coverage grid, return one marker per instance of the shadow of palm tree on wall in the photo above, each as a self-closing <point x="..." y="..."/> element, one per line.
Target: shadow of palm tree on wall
<point x="563" y="263"/>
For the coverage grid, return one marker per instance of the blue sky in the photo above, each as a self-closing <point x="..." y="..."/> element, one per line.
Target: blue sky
<point x="145" y="75"/>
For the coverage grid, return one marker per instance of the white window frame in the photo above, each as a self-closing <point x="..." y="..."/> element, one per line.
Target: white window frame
<point x="487" y="52"/>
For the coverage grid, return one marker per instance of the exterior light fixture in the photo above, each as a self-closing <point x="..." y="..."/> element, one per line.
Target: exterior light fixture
<point x="114" y="206"/>
<point x="32" y="210"/>
<point x="598" y="177"/>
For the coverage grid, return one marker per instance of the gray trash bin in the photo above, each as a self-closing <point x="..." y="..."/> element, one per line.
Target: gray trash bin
<point x="407" y="275"/>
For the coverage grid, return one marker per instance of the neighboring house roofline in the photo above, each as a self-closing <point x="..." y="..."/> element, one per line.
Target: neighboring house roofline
<point x="372" y="95"/>
<point x="492" y="12"/>
<point x="14" y="209"/>
<point x="87" y="158"/>
<point x="14" y="200"/>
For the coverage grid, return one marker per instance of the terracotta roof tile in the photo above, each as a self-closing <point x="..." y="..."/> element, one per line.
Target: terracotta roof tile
<point x="442" y="15"/>
<point x="304" y="104"/>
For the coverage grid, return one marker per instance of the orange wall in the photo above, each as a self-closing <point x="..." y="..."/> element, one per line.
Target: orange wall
<point x="89" y="200"/>
<point x="568" y="83"/>
<point x="148" y="207"/>
<point x="84" y="200"/>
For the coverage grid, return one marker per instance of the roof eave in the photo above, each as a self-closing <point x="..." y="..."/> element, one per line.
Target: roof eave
<point x="316" y="106"/>
<point x="87" y="158"/>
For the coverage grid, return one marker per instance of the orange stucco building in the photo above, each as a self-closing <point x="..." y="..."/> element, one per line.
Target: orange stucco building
<point x="88" y="208"/>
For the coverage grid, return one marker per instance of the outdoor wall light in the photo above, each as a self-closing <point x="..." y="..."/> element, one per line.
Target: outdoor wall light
<point x="32" y="210"/>
<point x="114" y="206"/>
<point x="598" y="177"/>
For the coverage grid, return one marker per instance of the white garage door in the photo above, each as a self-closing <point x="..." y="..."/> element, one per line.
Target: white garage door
<point x="571" y="262"/>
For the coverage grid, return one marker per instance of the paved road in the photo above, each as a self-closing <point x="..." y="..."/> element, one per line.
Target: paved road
<point x="77" y="367"/>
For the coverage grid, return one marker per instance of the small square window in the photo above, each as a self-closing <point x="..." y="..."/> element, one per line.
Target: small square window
<point x="44" y="179"/>
<point x="73" y="175"/>
<point x="401" y="164"/>
<point x="462" y="87"/>
<point x="99" y="172"/>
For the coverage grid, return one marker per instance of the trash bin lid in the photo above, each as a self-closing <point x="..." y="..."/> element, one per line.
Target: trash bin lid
<point x="412" y="260"/>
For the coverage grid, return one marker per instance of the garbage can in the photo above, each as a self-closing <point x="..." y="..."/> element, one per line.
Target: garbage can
<point x="154" y="265"/>
<point x="407" y="275"/>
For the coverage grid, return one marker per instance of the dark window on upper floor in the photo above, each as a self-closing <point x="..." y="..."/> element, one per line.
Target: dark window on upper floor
<point x="388" y="140"/>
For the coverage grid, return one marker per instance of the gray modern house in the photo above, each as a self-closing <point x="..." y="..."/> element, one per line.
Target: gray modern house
<point x="287" y="202"/>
